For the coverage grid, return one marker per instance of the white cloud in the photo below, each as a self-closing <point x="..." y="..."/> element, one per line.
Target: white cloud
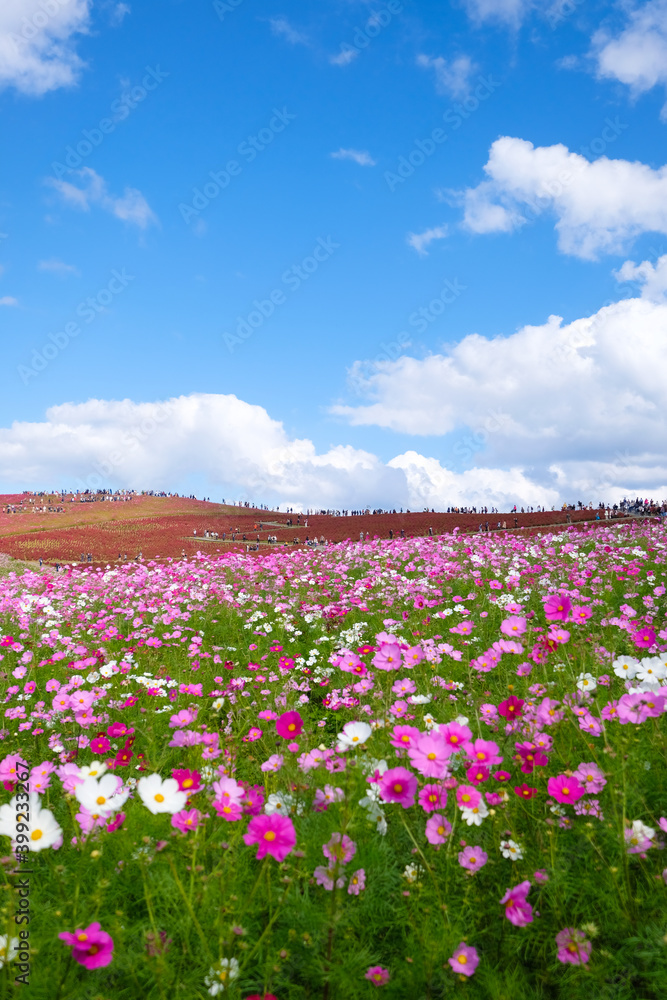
<point x="452" y="77"/>
<point x="346" y="55"/>
<point x="131" y="207"/>
<point x="600" y="206"/>
<point x="281" y="26"/>
<point x="119" y="13"/>
<point x="584" y="402"/>
<point x="360" y="156"/>
<point x="638" y="55"/>
<point x="511" y="12"/>
<point x="56" y="266"/>
<point x="419" y="241"/>
<point x="8" y="300"/>
<point x="37" y="43"/>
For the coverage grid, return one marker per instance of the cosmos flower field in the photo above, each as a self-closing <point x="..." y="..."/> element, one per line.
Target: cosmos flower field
<point x="418" y="768"/>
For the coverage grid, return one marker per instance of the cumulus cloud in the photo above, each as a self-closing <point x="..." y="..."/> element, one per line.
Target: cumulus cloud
<point x="8" y="300"/>
<point x="131" y="206"/>
<point x="236" y="449"/>
<point x="574" y="403"/>
<point x="38" y="43"/>
<point x="600" y="206"/>
<point x="637" y="56"/>
<point x="360" y="156"/>
<point x="419" y="241"/>
<point x="452" y="77"/>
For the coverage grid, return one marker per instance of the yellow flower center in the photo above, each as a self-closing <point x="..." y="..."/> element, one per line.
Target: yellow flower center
<point x="159" y="797"/>
<point x="269" y="835"/>
<point x="462" y="960"/>
<point x="36" y="835"/>
<point x="188" y="783"/>
<point x="100" y="800"/>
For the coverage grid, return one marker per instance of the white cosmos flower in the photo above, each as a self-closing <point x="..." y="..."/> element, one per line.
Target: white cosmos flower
<point x="102" y="797"/>
<point x="8" y="949"/>
<point x="221" y="975"/>
<point x="651" y="669"/>
<point x="475" y="816"/>
<point x="586" y="682"/>
<point x="94" y="770"/>
<point x="161" y="796"/>
<point x="420" y="699"/>
<point x="510" y="849"/>
<point x="354" y="734"/>
<point x="42" y="829"/>
<point x="644" y="831"/>
<point x="625" y="666"/>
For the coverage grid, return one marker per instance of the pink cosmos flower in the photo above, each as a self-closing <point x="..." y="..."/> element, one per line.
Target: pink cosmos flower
<point x="524" y="791"/>
<point x="182" y="718"/>
<point x="413" y="656"/>
<point x="477" y="773"/>
<point x="565" y="789"/>
<point x="557" y="608"/>
<point x="438" y="828"/>
<point x="100" y="745"/>
<point x="464" y="960"/>
<point x="253" y="799"/>
<point x="468" y="797"/>
<point x="573" y="946"/>
<point x="325" y="877"/>
<point x="517" y="910"/>
<point x="377" y="975"/>
<point x="388" y="657"/>
<point x="339" y="849"/>
<point x="274" y="763"/>
<point x="432" y="797"/>
<point x="581" y="614"/>
<point x="591" y="778"/>
<point x="483" y="752"/>
<point x="644" y="638"/>
<point x="289" y="725"/>
<point x="403" y="737"/>
<point x="93" y="947"/>
<point x="186" y="820"/>
<point x="357" y="882"/>
<point x="541" y="876"/>
<point x="274" y="835"/>
<point x="455" y="735"/>
<point x="397" y="784"/>
<point x="513" y="626"/>
<point x="404" y="686"/>
<point x="429" y="755"/>
<point x="472" y="858"/>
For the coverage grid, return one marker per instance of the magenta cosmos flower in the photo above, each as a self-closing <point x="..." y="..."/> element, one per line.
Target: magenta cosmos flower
<point x="473" y="858"/>
<point x="565" y="789"/>
<point x="433" y="797"/>
<point x="398" y="785"/>
<point x="464" y="960"/>
<point x="455" y="735"/>
<point x="557" y="608"/>
<point x="377" y="975"/>
<point x="573" y="946"/>
<point x="274" y="835"/>
<point x="289" y="725"/>
<point x="517" y="909"/>
<point x="93" y="947"/>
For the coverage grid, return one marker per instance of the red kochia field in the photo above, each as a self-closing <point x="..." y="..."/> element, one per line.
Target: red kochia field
<point x="164" y="526"/>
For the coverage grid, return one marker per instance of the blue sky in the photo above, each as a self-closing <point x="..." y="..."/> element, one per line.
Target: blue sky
<point x="305" y="112"/>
